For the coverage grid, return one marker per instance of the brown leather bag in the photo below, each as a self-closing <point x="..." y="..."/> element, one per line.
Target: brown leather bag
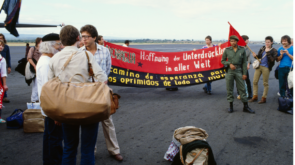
<point x="76" y="103"/>
<point x="115" y="102"/>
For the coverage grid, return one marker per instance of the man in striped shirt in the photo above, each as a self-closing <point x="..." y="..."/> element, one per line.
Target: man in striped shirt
<point x="103" y="58"/>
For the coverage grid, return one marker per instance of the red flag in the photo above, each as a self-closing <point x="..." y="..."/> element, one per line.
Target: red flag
<point x="233" y="31"/>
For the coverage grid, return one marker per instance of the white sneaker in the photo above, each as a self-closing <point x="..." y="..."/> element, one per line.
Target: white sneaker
<point x="279" y="94"/>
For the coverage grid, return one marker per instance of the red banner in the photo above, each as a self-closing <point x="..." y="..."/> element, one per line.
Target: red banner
<point x="144" y="68"/>
<point x="166" y="62"/>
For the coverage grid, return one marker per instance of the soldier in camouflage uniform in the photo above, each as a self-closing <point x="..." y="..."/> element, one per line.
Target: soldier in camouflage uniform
<point x="237" y="70"/>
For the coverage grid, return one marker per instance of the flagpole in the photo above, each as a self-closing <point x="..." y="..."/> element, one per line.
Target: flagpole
<point x="253" y="53"/>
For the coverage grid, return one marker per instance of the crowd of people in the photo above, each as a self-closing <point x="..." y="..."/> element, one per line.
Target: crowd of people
<point x="52" y="50"/>
<point x="238" y="66"/>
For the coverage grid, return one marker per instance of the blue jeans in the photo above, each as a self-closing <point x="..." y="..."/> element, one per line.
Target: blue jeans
<point x="208" y="86"/>
<point x="283" y="75"/>
<point x="71" y="142"/>
<point x="52" y="143"/>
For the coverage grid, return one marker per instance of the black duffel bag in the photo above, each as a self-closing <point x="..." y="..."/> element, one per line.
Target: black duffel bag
<point x="21" y="67"/>
<point x="285" y="105"/>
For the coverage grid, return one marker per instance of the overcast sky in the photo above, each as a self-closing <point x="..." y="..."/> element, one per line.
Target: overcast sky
<point x="162" y="19"/>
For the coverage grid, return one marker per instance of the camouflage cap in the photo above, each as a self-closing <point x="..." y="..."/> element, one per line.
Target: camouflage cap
<point x="234" y="38"/>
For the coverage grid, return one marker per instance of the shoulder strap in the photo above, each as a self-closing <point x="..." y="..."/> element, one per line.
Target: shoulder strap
<point x="66" y="63"/>
<point x="263" y="56"/>
<point x="191" y="163"/>
<point x="90" y="70"/>
<point x="181" y="157"/>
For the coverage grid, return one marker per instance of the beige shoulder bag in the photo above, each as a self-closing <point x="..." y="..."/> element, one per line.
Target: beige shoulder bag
<point x="76" y="103"/>
<point x="257" y="62"/>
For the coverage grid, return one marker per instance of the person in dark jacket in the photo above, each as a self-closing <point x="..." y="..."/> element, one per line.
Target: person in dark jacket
<point x="6" y="54"/>
<point x="267" y="55"/>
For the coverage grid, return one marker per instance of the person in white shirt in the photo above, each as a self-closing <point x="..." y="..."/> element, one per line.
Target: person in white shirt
<point x="53" y="136"/>
<point x="3" y="75"/>
<point x="126" y="43"/>
<point x="103" y="58"/>
<point x="70" y="37"/>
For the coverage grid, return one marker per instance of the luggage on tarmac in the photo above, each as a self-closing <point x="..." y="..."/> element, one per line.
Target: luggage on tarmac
<point x="189" y="147"/>
<point x="33" y="121"/>
<point x="33" y="106"/>
<point x="285" y="105"/>
<point x="15" y="120"/>
<point x="173" y="149"/>
<point x="198" y="156"/>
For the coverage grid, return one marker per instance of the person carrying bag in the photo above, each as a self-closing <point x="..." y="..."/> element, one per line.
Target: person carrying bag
<point x="72" y="98"/>
<point x="290" y="77"/>
<point x="263" y="65"/>
<point x="63" y="101"/>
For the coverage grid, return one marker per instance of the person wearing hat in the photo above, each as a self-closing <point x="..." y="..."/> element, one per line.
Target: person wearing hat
<point x="234" y="57"/>
<point x="53" y="135"/>
<point x="126" y="43"/>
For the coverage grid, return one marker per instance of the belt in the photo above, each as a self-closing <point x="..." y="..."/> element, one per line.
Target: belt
<point x="237" y="66"/>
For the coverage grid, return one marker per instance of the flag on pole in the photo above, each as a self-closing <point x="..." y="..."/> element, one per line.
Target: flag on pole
<point x="12" y="9"/>
<point x="233" y="31"/>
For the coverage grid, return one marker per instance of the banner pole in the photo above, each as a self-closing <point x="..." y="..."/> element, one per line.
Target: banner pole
<point x="253" y="53"/>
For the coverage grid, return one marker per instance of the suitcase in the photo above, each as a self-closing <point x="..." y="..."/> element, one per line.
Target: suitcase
<point x="33" y="121"/>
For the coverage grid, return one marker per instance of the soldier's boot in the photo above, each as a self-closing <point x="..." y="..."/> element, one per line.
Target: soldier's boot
<point x="263" y="100"/>
<point x="231" y="107"/>
<point x="247" y="108"/>
<point x="254" y="98"/>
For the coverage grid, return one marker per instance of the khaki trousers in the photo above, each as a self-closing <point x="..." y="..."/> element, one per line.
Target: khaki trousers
<point x="265" y="75"/>
<point x="110" y="136"/>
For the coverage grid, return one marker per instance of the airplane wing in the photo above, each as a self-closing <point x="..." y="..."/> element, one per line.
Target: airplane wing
<point x="29" y="25"/>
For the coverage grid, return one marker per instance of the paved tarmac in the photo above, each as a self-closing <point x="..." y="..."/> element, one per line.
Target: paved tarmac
<point x="147" y="118"/>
